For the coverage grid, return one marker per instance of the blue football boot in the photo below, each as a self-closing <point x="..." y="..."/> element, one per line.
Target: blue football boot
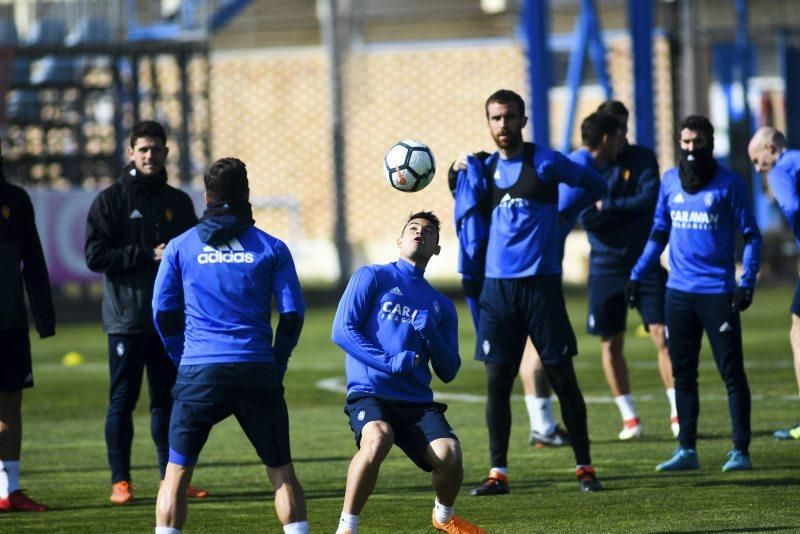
<point x="682" y="460"/>
<point x="738" y="461"/>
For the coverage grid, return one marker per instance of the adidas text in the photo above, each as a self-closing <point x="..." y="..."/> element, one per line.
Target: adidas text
<point x="218" y="256"/>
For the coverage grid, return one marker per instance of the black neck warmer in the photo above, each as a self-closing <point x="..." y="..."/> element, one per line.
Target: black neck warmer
<point x="697" y="168"/>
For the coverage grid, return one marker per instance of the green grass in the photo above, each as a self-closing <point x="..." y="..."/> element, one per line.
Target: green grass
<point x="64" y="461"/>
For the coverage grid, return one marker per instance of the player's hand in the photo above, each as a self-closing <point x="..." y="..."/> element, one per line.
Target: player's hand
<point x="461" y="163"/>
<point x="423" y="322"/>
<point x="742" y="298"/>
<point x="632" y="293"/>
<point x="158" y="252"/>
<point x="403" y="362"/>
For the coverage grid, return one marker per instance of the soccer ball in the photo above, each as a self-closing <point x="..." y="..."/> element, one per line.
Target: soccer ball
<point x="409" y="166"/>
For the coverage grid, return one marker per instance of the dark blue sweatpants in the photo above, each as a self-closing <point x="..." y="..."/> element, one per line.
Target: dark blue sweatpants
<point x="128" y="355"/>
<point x="687" y="315"/>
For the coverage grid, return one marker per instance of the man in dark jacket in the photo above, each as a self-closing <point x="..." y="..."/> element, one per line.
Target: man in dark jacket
<point x="128" y="226"/>
<point x="19" y="247"/>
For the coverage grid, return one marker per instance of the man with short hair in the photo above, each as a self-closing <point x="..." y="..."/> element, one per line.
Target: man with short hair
<point x="127" y="228"/>
<point x="701" y="205"/>
<point x="393" y="326"/>
<point x="638" y="200"/>
<point x="781" y="168"/>
<point x="617" y="226"/>
<point x="22" y="263"/>
<point x="212" y="309"/>
<point x="522" y="295"/>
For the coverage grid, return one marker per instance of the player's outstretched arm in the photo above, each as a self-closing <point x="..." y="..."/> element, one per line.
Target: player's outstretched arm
<point x="643" y="201"/>
<point x="346" y="332"/>
<point x="751" y="236"/>
<point x="659" y="237"/>
<point x="291" y="306"/>
<point x="34" y="273"/>
<point x="168" y="306"/>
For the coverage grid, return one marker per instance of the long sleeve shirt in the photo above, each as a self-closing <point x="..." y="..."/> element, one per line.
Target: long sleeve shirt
<point x="373" y="325"/>
<point x="700" y="229"/>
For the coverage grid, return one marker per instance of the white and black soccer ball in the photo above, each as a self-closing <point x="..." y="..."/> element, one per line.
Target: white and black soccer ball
<point x="409" y="165"/>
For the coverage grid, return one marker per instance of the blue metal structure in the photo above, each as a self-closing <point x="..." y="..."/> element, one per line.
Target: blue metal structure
<point x="192" y="19"/>
<point x="789" y="57"/>
<point x="535" y="16"/>
<point x="640" y="22"/>
<point x="588" y="37"/>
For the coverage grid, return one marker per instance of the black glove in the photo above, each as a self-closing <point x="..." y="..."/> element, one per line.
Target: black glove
<point x="742" y="298"/>
<point x="632" y="293"/>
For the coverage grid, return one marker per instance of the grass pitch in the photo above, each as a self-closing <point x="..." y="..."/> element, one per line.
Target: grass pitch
<point x="64" y="463"/>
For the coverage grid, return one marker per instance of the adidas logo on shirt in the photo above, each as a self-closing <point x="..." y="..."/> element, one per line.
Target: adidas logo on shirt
<point x="135" y="214"/>
<point x="396" y="291"/>
<point x="230" y="252"/>
<point x="678" y="199"/>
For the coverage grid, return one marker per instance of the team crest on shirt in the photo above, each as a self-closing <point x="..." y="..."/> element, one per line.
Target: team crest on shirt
<point x="361" y="415"/>
<point x="6" y="212"/>
<point x="708" y="199"/>
<point x="626" y="174"/>
<point x="436" y="309"/>
<point x="168" y="214"/>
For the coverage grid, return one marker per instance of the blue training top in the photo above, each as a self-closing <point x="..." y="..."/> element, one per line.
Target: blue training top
<point x="373" y="326"/>
<point x="784" y="180"/>
<point x="618" y="232"/>
<point x="701" y="229"/>
<point x="226" y="292"/>
<point x="525" y="232"/>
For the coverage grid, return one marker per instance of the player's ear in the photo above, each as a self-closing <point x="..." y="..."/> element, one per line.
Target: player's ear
<point x="207" y="198"/>
<point x="524" y="121"/>
<point x="437" y="250"/>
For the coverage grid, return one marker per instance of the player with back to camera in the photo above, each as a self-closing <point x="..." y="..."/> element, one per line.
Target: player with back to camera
<point x="22" y="263"/>
<point x="127" y="229"/>
<point x="701" y="205"/>
<point x="212" y="308"/>
<point x="522" y="295"/>
<point x="781" y="168"/>
<point x="393" y="326"/>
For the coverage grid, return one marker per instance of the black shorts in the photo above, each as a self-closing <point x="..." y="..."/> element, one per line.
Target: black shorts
<point x="608" y="311"/>
<point x="517" y="308"/>
<point x="16" y="372"/>
<point x="795" y="309"/>
<point x="415" y="424"/>
<point x="206" y="394"/>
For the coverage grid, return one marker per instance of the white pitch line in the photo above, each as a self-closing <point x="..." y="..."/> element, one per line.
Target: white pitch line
<point x="337" y="384"/>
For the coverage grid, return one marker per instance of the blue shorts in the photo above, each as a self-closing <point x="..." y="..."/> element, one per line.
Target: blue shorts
<point x="514" y="309"/>
<point x="206" y="394"/>
<point x="415" y="424"/>
<point x="16" y="372"/>
<point x="608" y="311"/>
<point x="795" y="309"/>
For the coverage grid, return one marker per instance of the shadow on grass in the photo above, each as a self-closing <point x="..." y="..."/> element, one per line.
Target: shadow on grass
<point x="723" y="530"/>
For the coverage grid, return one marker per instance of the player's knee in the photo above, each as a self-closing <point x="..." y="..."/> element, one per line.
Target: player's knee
<point x="445" y="456"/>
<point x="376" y="439"/>
<point x="658" y="335"/>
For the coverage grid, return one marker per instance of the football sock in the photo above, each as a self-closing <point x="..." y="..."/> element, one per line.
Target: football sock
<point x="502" y="470"/>
<point x="298" y="527"/>
<point x="9" y="477"/>
<point x="625" y="405"/>
<point x="443" y="513"/>
<point x="167" y="530"/>
<point x="540" y="411"/>
<point x="673" y="409"/>
<point x="348" y="522"/>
